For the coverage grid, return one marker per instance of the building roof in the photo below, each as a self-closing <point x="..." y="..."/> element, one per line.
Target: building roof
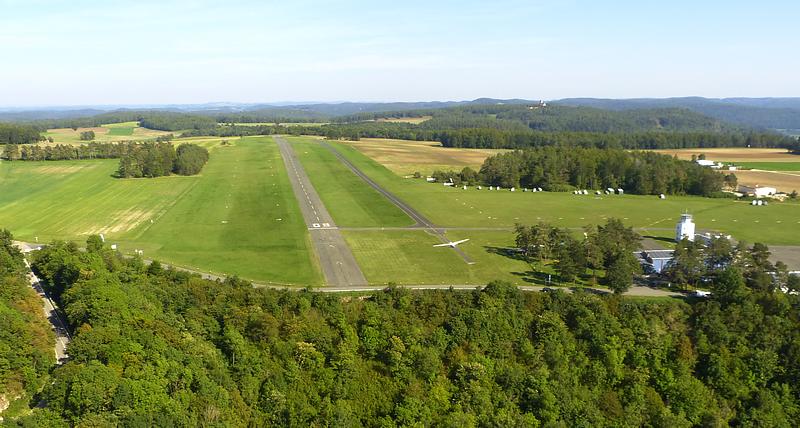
<point x="659" y="254"/>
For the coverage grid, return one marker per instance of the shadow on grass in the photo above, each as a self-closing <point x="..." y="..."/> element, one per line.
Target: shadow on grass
<point x="511" y="253"/>
<point x="660" y="239"/>
<point x="534" y="278"/>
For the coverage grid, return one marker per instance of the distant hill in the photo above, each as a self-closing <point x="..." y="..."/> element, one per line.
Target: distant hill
<point x="762" y="113"/>
<point x="605" y="115"/>
<point x="557" y="118"/>
<point x="241" y="112"/>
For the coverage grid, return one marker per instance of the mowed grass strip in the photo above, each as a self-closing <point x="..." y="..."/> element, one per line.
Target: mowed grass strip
<point x="120" y="131"/>
<point x="409" y="258"/>
<point x="771" y="166"/>
<point x="72" y="199"/>
<point x="241" y="218"/>
<point x="447" y="206"/>
<point x="350" y="200"/>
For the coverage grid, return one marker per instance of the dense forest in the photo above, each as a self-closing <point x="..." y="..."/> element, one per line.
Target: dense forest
<point x="511" y="139"/>
<point x="565" y="168"/>
<point x="517" y="126"/>
<point x="161" y="159"/>
<point x="156" y="347"/>
<point x="559" y="118"/>
<point x="19" y="134"/>
<point x="493" y="138"/>
<point x="772" y="113"/>
<point x="26" y="341"/>
<point x="152" y="119"/>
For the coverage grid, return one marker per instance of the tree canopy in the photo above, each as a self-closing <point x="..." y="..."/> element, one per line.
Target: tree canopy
<point x="562" y="168"/>
<point x="160" y="159"/>
<point x="154" y="346"/>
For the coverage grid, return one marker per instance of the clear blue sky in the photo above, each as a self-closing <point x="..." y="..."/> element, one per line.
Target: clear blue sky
<point x="101" y="52"/>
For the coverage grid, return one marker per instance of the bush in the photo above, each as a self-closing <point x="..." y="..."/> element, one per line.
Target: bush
<point x="190" y="159"/>
<point x="559" y="188"/>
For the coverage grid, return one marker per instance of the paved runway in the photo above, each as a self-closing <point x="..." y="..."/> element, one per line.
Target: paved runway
<point x="336" y="260"/>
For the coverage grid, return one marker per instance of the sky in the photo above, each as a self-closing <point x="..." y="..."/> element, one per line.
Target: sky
<point x="82" y="52"/>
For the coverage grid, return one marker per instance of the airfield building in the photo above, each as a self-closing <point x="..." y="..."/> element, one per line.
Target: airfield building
<point x="657" y="260"/>
<point x="685" y="228"/>
<point x="758" y="191"/>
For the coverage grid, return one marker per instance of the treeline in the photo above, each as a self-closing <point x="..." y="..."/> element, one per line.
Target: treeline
<point x="565" y="168"/>
<point x="26" y="341"/>
<point x="609" y="248"/>
<point x="499" y="139"/>
<point x="503" y="139"/>
<point x="557" y="118"/>
<point x="155" y="347"/>
<point x="698" y="262"/>
<point x="477" y="126"/>
<point x="161" y="159"/>
<point x="92" y="150"/>
<point x="167" y="121"/>
<point x="19" y="134"/>
<point x="159" y="120"/>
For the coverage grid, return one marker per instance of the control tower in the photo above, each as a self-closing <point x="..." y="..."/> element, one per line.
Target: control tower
<point x="685" y="228"/>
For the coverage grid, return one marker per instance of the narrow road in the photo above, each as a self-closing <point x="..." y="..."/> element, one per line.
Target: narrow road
<point x="635" y="290"/>
<point x="338" y="264"/>
<point x="51" y="312"/>
<point x="421" y="220"/>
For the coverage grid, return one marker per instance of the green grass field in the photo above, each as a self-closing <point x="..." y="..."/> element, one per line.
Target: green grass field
<point x="238" y="217"/>
<point x="71" y="199"/>
<point x="408" y="257"/>
<point x="121" y="131"/>
<point x="350" y="200"/>
<point x="771" y="166"/>
<point x="482" y="208"/>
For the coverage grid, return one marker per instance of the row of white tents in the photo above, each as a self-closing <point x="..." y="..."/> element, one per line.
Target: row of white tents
<point x="609" y="191"/>
<point x="513" y="189"/>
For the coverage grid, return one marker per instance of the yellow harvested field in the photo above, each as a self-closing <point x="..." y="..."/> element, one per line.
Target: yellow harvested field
<point x="411" y="120"/>
<point x="783" y="181"/>
<point x="406" y="157"/>
<point x="102" y="135"/>
<point x="735" y="154"/>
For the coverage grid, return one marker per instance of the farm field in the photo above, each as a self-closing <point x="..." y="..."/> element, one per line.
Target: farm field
<point x="784" y="181"/>
<point x="106" y="133"/>
<point x="735" y="154"/>
<point x="406" y="157"/>
<point x="411" y="120"/>
<point x="473" y="208"/>
<point x="238" y="217"/>
<point x="347" y="197"/>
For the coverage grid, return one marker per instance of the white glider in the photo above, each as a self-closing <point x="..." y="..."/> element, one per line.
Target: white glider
<point x="452" y="244"/>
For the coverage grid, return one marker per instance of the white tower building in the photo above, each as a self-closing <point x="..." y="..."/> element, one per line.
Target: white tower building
<point x="685" y="228"/>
